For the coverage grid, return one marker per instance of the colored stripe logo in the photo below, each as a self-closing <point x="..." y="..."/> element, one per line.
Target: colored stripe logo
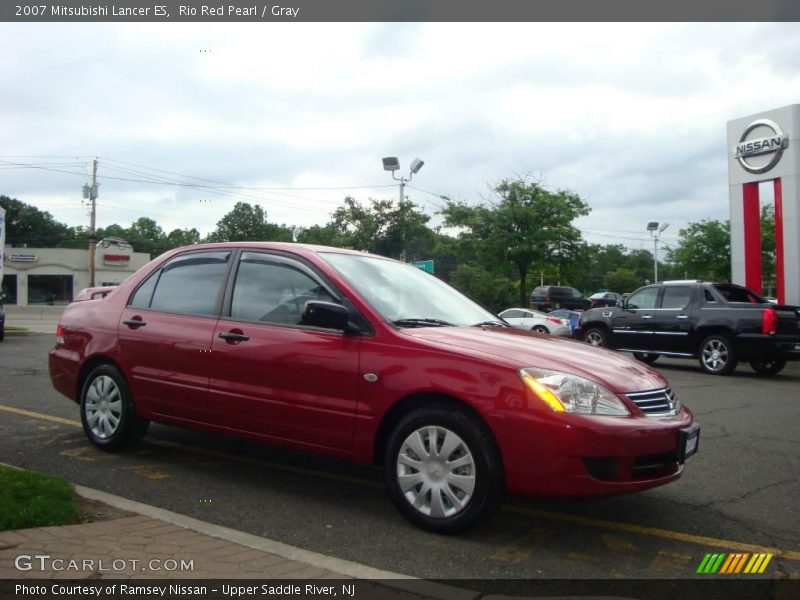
<point x="727" y="564"/>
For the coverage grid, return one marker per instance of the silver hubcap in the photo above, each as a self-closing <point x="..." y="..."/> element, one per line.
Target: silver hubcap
<point x="103" y="407"/>
<point x="436" y="472"/>
<point x="594" y="339"/>
<point x="715" y="355"/>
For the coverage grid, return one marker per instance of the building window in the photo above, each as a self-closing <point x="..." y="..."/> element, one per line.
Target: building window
<point x="10" y="289"/>
<point x="49" y="289"/>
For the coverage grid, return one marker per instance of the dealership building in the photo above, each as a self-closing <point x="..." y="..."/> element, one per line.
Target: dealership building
<point x="55" y="275"/>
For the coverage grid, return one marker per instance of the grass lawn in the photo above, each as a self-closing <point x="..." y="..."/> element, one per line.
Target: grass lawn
<point x="30" y="499"/>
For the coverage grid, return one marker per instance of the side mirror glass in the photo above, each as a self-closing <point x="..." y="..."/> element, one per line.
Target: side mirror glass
<point x="327" y="315"/>
<point x="621" y="303"/>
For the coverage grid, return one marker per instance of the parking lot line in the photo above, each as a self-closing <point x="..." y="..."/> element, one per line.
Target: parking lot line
<point x="705" y="541"/>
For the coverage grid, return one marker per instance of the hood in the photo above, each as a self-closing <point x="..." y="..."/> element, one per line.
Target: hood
<point x="618" y="372"/>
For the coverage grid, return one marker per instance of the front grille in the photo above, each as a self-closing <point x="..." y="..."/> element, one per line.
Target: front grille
<point x="656" y="403"/>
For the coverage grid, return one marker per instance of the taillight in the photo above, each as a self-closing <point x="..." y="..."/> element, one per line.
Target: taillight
<point x="547" y="298"/>
<point x="554" y="320"/>
<point x="769" y="322"/>
<point x="59" y="335"/>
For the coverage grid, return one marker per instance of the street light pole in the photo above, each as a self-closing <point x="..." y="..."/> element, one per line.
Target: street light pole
<point x="390" y="163"/>
<point x="656" y="230"/>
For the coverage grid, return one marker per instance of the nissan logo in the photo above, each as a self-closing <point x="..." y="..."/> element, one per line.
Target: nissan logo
<point x="772" y="144"/>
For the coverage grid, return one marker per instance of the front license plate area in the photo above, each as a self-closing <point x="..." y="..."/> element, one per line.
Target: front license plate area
<point x="689" y="440"/>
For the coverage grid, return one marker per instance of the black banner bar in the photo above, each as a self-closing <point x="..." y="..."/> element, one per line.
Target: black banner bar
<point x="273" y="11"/>
<point x="700" y="588"/>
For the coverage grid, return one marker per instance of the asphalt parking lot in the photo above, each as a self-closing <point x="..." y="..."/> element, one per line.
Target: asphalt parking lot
<point x="740" y="493"/>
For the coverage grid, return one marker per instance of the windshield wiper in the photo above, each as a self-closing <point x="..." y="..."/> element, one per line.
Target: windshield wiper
<point x="491" y="324"/>
<point x="420" y="322"/>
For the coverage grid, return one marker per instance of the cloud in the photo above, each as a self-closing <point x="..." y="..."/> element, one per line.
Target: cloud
<point x="630" y="116"/>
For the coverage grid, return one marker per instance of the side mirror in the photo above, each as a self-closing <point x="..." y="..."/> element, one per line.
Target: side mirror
<point x="621" y="303"/>
<point x="327" y="315"/>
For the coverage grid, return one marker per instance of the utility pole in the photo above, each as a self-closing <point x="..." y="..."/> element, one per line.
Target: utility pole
<point x="390" y="163"/>
<point x="91" y="193"/>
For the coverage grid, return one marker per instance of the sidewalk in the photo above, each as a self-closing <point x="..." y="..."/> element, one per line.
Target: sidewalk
<point x="154" y="544"/>
<point x="38" y="318"/>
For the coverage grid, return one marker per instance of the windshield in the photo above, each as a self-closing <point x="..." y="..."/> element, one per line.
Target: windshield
<point x="402" y="292"/>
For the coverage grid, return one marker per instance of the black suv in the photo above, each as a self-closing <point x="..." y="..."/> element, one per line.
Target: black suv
<point x="550" y="297"/>
<point x="720" y="324"/>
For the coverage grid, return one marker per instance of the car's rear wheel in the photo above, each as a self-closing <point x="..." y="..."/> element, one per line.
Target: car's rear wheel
<point x="596" y="337"/>
<point x="646" y="357"/>
<point x="768" y="367"/>
<point x="540" y="329"/>
<point x="107" y="412"/>
<point x="717" y="356"/>
<point x="443" y="470"/>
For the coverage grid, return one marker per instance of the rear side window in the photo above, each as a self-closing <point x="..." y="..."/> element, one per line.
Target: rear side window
<point x="539" y="291"/>
<point x="676" y="296"/>
<point x="735" y="293"/>
<point x="190" y="284"/>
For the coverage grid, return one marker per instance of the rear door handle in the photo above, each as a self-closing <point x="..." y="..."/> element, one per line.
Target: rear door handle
<point x="231" y="336"/>
<point x="647" y="316"/>
<point x="134" y="323"/>
<point x="683" y="316"/>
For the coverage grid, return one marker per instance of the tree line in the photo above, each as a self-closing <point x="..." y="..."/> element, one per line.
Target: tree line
<point x="495" y="251"/>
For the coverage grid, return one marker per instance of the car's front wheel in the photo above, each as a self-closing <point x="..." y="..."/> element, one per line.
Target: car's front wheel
<point x="443" y="470"/>
<point x="107" y="412"/>
<point x="768" y="367"/>
<point x="596" y="337"/>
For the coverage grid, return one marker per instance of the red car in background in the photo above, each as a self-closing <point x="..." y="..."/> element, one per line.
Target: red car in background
<point x="354" y="355"/>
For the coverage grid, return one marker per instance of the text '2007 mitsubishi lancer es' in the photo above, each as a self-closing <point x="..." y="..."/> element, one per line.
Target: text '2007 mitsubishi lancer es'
<point x="358" y="356"/>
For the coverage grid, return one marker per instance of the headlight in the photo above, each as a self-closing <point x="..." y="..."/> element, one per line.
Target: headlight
<point x="563" y="392"/>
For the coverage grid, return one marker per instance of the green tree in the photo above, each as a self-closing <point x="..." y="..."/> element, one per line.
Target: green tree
<point x="704" y="251"/>
<point x="622" y="280"/>
<point x="248" y="223"/>
<point x="398" y="230"/>
<point x="485" y="287"/>
<point x="181" y="237"/>
<point x="26" y="224"/>
<point x="528" y="227"/>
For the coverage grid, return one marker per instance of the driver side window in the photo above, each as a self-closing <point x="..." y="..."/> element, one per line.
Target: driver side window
<point x="272" y="292"/>
<point x="643" y="299"/>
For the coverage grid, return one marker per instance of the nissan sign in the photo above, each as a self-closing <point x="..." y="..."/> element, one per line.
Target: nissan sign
<point x="771" y="146"/>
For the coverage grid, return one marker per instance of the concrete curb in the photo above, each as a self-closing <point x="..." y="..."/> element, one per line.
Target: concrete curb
<point x="345" y="567"/>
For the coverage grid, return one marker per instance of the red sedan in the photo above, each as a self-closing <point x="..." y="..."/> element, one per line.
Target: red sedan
<point x="354" y="355"/>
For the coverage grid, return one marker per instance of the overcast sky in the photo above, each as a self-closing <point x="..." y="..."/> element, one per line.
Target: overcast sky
<point x="632" y="117"/>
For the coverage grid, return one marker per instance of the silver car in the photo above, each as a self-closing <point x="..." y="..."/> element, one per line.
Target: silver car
<point x="533" y="320"/>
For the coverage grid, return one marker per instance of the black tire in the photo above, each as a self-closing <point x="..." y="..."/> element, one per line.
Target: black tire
<point x="475" y="443"/>
<point x="540" y="329"/>
<point x="596" y="336"/>
<point x="105" y="397"/>
<point x="646" y="357"/>
<point x="721" y="363"/>
<point x="2" y="332"/>
<point x="768" y="367"/>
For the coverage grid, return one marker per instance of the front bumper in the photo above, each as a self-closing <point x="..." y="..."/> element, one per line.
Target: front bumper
<point x="575" y="455"/>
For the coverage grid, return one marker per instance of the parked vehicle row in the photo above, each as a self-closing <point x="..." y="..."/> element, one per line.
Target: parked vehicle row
<point x="357" y="356"/>
<point x="720" y="324"/>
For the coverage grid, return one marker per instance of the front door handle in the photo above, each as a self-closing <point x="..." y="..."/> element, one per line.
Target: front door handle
<point x="232" y="336"/>
<point x="647" y="316"/>
<point x="134" y="323"/>
<point x="683" y="316"/>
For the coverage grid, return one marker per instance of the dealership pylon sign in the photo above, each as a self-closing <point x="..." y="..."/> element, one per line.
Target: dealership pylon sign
<point x="764" y="148"/>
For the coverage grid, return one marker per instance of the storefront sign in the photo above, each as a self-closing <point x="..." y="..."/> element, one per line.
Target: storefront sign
<point x="23" y="257"/>
<point x="116" y="260"/>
